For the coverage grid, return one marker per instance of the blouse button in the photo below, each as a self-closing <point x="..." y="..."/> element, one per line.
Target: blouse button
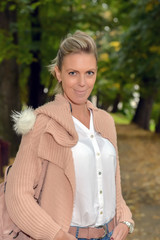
<point x="92" y="136"/>
<point x="98" y="154"/>
<point x="100" y="173"/>
<point x="101" y="212"/>
<point x="100" y="192"/>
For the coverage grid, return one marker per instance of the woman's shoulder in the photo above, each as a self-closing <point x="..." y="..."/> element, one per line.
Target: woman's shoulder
<point x="104" y="115"/>
<point x="104" y="124"/>
<point x="100" y="113"/>
<point x="27" y="120"/>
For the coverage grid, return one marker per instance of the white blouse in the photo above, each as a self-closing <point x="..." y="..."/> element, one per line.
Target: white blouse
<point x="95" y="167"/>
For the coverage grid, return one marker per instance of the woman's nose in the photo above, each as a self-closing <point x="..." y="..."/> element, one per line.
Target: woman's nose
<point x="82" y="80"/>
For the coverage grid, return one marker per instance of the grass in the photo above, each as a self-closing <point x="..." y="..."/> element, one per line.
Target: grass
<point x="152" y="126"/>
<point x="120" y="118"/>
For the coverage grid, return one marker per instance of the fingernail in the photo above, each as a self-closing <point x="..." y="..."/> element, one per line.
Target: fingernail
<point x="111" y="238"/>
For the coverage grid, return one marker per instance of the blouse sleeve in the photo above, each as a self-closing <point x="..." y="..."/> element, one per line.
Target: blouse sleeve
<point x="19" y="196"/>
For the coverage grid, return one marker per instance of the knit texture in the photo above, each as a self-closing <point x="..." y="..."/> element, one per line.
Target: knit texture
<point x="51" y="138"/>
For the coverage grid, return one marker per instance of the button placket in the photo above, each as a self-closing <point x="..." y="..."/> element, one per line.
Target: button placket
<point x="99" y="176"/>
<point x="98" y="154"/>
<point x="92" y="136"/>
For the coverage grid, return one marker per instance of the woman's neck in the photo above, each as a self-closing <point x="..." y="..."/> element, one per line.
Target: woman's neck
<point x="82" y="113"/>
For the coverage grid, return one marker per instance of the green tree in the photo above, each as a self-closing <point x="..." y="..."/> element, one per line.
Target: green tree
<point x="30" y="33"/>
<point x="36" y="94"/>
<point x="139" y="55"/>
<point x="9" y="71"/>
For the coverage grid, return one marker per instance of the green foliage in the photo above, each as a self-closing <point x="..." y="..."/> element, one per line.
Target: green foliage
<point x="7" y="48"/>
<point x="137" y="60"/>
<point x="156" y="112"/>
<point x="140" y="44"/>
<point x="57" y="18"/>
<point x="127" y="36"/>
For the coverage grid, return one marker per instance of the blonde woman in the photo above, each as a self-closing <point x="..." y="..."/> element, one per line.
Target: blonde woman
<point x="81" y="197"/>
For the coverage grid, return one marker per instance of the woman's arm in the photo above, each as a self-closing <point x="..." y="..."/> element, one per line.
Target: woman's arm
<point x="123" y="212"/>
<point x="21" y="205"/>
<point x="24" y="174"/>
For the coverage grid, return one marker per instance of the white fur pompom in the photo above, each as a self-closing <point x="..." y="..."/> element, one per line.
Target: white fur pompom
<point x="24" y="120"/>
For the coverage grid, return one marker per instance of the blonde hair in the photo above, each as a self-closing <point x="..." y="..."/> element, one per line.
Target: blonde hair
<point x="78" y="42"/>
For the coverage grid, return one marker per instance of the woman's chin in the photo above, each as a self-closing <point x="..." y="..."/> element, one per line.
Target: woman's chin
<point x="78" y="99"/>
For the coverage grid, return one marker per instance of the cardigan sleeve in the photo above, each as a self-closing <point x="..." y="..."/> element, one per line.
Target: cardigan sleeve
<point x="19" y="196"/>
<point x="123" y="212"/>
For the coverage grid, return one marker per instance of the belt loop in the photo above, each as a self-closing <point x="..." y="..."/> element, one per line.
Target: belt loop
<point x="77" y="232"/>
<point x="107" y="228"/>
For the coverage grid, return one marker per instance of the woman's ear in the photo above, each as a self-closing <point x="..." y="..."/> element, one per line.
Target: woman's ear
<point x="58" y="73"/>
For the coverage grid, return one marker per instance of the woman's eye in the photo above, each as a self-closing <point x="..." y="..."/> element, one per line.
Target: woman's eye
<point x="72" y="73"/>
<point x="90" y="73"/>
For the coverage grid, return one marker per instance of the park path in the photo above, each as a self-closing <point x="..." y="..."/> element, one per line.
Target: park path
<point x="139" y="153"/>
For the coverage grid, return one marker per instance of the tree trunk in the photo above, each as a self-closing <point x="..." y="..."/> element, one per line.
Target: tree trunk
<point x="116" y="102"/>
<point x="143" y="112"/>
<point x="36" y="94"/>
<point x="9" y="84"/>
<point x="158" y="126"/>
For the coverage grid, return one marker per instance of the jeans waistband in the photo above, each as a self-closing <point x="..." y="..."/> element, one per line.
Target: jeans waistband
<point x="92" y="232"/>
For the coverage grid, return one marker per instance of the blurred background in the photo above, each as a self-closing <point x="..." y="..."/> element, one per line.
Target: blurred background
<point x="127" y="34"/>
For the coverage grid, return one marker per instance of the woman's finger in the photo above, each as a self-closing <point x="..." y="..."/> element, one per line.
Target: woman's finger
<point x="120" y="232"/>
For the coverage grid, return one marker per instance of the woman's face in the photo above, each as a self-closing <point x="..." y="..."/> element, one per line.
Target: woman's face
<point x="78" y="75"/>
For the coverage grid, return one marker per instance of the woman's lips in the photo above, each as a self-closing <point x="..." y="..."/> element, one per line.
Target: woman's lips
<point x="80" y="92"/>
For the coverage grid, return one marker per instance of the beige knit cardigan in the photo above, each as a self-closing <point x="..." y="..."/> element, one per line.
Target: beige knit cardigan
<point x="51" y="138"/>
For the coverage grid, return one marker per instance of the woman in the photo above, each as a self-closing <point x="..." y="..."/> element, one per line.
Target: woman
<point x="81" y="197"/>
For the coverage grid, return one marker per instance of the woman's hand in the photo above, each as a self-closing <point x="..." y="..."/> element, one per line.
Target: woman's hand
<point x="120" y="232"/>
<point x="61" y="235"/>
